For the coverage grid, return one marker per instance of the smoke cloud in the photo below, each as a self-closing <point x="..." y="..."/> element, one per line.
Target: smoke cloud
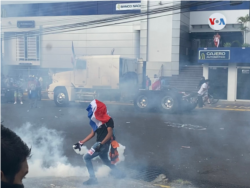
<point x="47" y="154"/>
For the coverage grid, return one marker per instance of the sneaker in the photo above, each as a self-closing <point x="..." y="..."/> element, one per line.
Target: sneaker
<point x="14" y="102"/>
<point x="91" y="181"/>
<point x="21" y="102"/>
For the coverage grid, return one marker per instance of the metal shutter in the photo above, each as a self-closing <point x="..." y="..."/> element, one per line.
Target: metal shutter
<point x="20" y="48"/>
<point x="32" y="48"/>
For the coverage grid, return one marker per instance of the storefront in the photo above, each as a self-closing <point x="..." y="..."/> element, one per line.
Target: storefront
<point x="228" y="69"/>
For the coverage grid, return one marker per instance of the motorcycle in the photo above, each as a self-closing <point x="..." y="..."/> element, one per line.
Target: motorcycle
<point x="189" y="101"/>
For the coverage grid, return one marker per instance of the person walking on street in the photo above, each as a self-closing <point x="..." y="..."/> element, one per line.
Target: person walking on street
<point x="18" y="90"/>
<point x="102" y="125"/>
<point x="32" y="89"/>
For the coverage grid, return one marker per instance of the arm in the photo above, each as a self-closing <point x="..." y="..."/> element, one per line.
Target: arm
<point x="91" y="135"/>
<point x="109" y="135"/>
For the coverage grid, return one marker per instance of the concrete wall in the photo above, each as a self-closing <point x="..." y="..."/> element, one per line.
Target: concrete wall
<point x="56" y="49"/>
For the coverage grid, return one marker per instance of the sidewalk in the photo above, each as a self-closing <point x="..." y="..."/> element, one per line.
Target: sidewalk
<point x="229" y="105"/>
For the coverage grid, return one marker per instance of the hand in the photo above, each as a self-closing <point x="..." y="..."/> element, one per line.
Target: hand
<point x="78" y="145"/>
<point x="97" y="146"/>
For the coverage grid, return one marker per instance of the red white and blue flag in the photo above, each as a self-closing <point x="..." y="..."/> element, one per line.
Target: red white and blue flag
<point x="73" y="55"/>
<point x="98" y="114"/>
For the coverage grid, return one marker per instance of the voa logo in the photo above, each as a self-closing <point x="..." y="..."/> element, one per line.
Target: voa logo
<point x="217" y="21"/>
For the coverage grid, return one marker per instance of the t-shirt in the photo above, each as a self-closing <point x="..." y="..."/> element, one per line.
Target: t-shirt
<point x="203" y="89"/>
<point x="32" y="85"/>
<point x="102" y="131"/>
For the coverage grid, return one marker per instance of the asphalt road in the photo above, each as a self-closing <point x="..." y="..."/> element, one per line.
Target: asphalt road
<point x="208" y="147"/>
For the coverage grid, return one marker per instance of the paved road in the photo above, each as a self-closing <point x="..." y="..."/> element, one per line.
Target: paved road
<point x="207" y="147"/>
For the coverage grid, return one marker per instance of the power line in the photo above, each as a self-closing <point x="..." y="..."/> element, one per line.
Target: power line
<point x="108" y="22"/>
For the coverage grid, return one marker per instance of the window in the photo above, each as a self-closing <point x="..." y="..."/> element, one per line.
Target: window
<point x="27" y="48"/>
<point x="232" y="3"/>
<point x="80" y="64"/>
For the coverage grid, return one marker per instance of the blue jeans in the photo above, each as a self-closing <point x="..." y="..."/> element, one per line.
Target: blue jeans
<point x="103" y="154"/>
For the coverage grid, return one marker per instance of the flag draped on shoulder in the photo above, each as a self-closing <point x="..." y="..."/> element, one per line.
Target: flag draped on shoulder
<point x="73" y="55"/>
<point x="98" y="114"/>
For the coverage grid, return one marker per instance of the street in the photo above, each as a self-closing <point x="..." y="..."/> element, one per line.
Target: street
<point x="207" y="147"/>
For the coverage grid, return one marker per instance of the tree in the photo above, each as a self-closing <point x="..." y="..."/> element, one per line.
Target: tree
<point x="243" y="20"/>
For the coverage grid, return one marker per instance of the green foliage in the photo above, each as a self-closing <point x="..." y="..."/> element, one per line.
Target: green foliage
<point x="245" y="45"/>
<point x="227" y="44"/>
<point x="236" y="43"/>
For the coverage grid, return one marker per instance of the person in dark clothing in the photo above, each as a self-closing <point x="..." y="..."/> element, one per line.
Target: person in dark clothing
<point x="202" y="81"/>
<point x="14" y="155"/>
<point x="102" y="125"/>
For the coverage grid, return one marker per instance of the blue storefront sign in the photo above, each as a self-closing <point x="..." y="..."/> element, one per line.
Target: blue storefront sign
<point x="224" y="55"/>
<point x="26" y="24"/>
<point x="214" y="55"/>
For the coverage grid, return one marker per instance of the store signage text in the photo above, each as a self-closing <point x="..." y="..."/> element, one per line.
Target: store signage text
<point x="128" y="6"/>
<point x="214" y="54"/>
<point x="26" y="24"/>
<point x="217" y="21"/>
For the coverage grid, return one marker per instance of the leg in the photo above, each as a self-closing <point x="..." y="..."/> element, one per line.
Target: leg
<point x="15" y="96"/>
<point x="89" y="165"/>
<point x="20" y="95"/>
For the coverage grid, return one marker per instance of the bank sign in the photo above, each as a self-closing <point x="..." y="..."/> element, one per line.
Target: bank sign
<point x="217" y="21"/>
<point x="128" y="6"/>
<point x="214" y="55"/>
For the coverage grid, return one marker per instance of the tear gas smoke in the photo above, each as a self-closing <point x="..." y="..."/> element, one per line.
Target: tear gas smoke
<point x="47" y="154"/>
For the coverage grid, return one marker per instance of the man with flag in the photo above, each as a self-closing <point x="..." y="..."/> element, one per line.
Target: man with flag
<point x="102" y="125"/>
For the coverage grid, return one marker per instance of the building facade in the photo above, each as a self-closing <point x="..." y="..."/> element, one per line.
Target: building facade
<point x="170" y="37"/>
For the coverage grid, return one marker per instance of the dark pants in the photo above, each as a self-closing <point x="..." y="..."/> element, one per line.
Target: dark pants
<point x="103" y="154"/>
<point x="200" y="101"/>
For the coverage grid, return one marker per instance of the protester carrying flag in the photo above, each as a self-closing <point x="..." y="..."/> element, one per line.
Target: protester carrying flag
<point x="102" y="125"/>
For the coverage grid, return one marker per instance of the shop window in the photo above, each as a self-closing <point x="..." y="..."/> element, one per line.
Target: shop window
<point x="27" y="48"/>
<point x="243" y="84"/>
<point x="218" y="77"/>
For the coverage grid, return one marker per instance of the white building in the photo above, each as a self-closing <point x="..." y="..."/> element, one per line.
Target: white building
<point x="169" y="38"/>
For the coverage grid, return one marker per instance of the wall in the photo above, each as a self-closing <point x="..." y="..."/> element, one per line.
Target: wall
<point x="201" y="17"/>
<point x="65" y="8"/>
<point x="221" y="5"/>
<point x="56" y="49"/>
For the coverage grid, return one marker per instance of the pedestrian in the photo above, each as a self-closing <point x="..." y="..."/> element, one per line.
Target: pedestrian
<point x="203" y="92"/>
<point x="38" y="88"/>
<point x="14" y="155"/>
<point x="148" y="83"/>
<point x="102" y="125"/>
<point x="18" y="90"/>
<point x="202" y="81"/>
<point x="41" y="81"/>
<point x="32" y="90"/>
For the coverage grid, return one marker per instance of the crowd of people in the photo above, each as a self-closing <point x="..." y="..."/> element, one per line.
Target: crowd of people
<point x="15" y="87"/>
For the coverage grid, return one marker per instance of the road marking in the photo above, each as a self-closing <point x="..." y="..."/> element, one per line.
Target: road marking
<point x="218" y="106"/>
<point x="230" y="109"/>
<point x="165" y="186"/>
<point x="227" y="106"/>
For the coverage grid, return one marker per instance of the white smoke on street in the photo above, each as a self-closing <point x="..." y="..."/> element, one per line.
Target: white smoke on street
<point x="47" y="154"/>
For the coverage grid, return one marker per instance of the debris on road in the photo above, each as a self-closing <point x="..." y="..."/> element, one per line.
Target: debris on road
<point x="187" y="147"/>
<point x="161" y="178"/>
<point x="186" y="126"/>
